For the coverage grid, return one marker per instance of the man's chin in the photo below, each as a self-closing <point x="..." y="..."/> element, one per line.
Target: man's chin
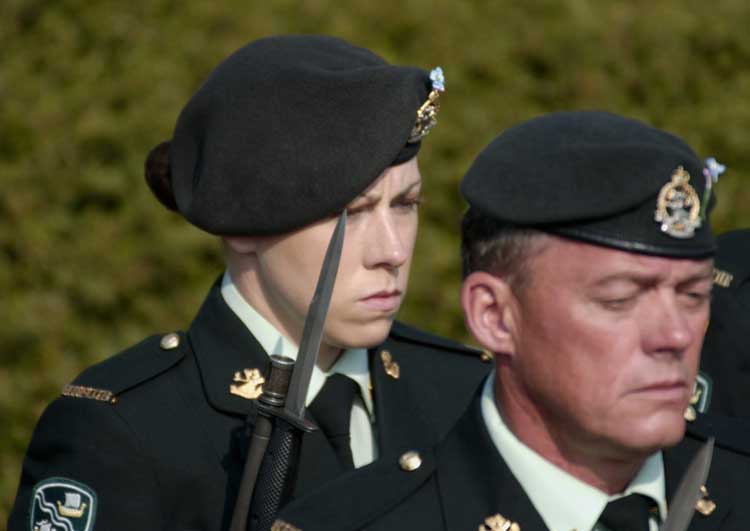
<point x="664" y="431"/>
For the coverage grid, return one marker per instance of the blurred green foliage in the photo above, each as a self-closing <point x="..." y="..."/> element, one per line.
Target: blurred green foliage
<point x="90" y="262"/>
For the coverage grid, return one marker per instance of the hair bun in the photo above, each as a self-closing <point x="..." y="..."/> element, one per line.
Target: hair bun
<point x="159" y="176"/>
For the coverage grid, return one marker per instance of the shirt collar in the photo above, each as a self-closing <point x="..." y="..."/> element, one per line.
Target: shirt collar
<point x="563" y="501"/>
<point x="352" y="362"/>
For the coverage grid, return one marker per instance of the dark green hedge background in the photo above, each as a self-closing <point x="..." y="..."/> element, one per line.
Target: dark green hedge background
<point x="89" y="261"/>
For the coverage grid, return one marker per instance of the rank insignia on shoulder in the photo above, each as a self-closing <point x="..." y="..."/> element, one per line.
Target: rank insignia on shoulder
<point x="61" y="504"/>
<point x="251" y="384"/>
<point x="723" y="278"/>
<point x="678" y="207"/>
<point x="498" y="523"/>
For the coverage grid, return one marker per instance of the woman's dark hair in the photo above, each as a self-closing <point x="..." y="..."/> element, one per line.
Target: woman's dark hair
<point x="159" y="177"/>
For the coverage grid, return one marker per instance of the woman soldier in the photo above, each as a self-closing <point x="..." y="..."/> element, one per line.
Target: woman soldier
<point x="282" y="137"/>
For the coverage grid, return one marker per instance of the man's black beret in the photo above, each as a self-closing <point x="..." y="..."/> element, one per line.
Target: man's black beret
<point x="288" y="130"/>
<point x="597" y="177"/>
<point x="726" y="349"/>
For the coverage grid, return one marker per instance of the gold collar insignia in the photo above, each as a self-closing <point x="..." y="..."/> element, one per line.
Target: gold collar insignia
<point x="251" y="384"/>
<point x="498" y="523"/>
<point x="390" y="366"/>
<point x="705" y="506"/>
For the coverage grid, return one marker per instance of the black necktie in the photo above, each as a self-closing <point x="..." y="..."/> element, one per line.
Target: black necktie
<point x="332" y="409"/>
<point x="630" y="513"/>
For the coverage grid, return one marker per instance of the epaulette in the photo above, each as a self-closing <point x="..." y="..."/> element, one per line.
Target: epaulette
<point x="731" y="433"/>
<point x="409" y="333"/>
<point x="732" y="260"/>
<point x="107" y="380"/>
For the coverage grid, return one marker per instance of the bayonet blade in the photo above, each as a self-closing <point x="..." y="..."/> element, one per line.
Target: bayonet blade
<point x="312" y="333"/>
<point x="682" y="506"/>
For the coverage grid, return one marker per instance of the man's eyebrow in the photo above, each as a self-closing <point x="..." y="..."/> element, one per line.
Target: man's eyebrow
<point x="628" y="276"/>
<point x="700" y="276"/>
<point x="645" y="279"/>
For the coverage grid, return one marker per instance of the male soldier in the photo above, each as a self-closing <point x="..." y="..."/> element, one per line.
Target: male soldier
<point x="282" y="137"/>
<point x="587" y="255"/>
<point x="723" y="385"/>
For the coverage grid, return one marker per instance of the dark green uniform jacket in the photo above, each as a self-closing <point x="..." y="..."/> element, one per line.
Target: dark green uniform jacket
<point x="463" y="480"/>
<point x="155" y="440"/>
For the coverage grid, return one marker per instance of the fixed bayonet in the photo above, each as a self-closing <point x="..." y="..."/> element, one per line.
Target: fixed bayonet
<point x="271" y="463"/>
<point x="314" y="325"/>
<point x="682" y="506"/>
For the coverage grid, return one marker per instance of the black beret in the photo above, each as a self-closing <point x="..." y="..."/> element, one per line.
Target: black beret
<point x="288" y="130"/>
<point x="597" y="177"/>
<point x="726" y="349"/>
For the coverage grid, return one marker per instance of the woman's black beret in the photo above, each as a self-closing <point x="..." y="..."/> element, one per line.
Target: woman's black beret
<point x="288" y="130"/>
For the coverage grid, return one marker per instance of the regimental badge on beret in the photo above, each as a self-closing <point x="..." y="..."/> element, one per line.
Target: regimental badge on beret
<point x="427" y="113"/>
<point x="678" y="207"/>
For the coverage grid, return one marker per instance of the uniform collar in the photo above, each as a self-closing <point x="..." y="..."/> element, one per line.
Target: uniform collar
<point x="223" y="349"/>
<point x="563" y="501"/>
<point x="352" y="362"/>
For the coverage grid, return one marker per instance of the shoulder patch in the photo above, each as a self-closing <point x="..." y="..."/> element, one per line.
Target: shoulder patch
<point x="130" y="368"/>
<point x="61" y="504"/>
<point x="406" y="332"/>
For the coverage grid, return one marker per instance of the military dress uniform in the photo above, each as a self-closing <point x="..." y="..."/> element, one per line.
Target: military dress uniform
<point x="603" y="180"/>
<point x="724" y="382"/>
<point x="465" y="482"/>
<point x="285" y="132"/>
<point x="153" y="438"/>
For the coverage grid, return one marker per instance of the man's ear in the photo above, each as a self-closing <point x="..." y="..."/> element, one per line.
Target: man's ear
<point x="489" y="311"/>
<point x="241" y="244"/>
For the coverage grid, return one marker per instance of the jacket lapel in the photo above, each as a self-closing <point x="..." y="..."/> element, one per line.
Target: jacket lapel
<point x="223" y="346"/>
<point x="474" y="481"/>
<point x="418" y="400"/>
<point x="676" y="461"/>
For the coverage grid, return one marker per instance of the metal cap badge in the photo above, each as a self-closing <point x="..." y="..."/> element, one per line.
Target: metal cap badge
<point x="678" y="206"/>
<point x="427" y="113"/>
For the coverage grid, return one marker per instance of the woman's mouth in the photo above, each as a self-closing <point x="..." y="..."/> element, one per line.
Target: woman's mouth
<point x="384" y="301"/>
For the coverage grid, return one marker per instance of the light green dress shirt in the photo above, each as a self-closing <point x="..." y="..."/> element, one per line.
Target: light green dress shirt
<point x="352" y="363"/>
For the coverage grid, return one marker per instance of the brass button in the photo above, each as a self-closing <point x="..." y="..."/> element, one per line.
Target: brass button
<point x="410" y="461"/>
<point x="170" y="341"/>
<point x="486" y="356"/>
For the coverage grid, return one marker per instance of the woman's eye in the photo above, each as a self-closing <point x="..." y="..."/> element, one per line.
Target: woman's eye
<point x="408" y="203"/>
<point x="355" y="211"/>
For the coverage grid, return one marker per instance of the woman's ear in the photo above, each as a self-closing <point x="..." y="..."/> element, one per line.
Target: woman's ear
<point x="489" y="311"/>
<point x="241" y="244"/>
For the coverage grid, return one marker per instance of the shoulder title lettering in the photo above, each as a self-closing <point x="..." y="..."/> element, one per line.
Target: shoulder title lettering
<point x="92" y="393"/>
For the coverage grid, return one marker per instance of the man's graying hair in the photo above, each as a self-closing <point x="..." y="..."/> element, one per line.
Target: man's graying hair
<point x="499" y="248"/>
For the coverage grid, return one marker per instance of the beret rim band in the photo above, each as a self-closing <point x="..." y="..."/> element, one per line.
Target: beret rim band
<point x="631" y="246"/>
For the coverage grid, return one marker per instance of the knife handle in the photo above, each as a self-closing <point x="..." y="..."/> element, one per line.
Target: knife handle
<point x="276" y="477"/>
